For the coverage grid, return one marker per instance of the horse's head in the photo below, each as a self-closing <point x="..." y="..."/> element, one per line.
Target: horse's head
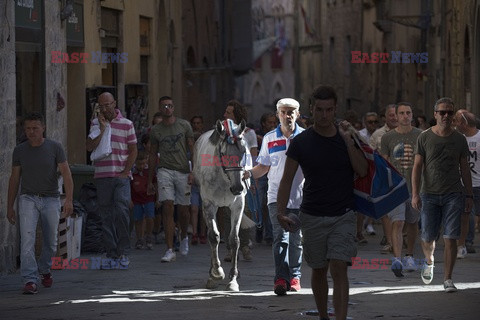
<point x="231" y="151"/>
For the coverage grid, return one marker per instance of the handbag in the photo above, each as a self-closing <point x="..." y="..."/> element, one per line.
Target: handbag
<point x="382" y="189"/>
<point x="104" y="147"/>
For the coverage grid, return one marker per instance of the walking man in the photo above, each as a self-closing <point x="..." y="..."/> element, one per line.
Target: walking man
<point x="325" y="152"/>
<point x="440" y="152"/>
<point x="173" y="139"/>
<point x="287" y="246"/>
<point x="112" y="179"/>
<point x="34" y="164"/>
<point x="397" y="146"/>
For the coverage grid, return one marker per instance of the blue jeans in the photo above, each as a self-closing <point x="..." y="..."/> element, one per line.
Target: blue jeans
<point x="31" y="208"/>
<point x="113" y="198"/>
<point x="438" y="209"/>
<point x="262" y="193"/>
<point x="286" y="247"/>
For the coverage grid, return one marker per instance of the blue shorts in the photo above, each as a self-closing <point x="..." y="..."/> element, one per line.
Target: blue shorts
<point x="438" y="210"/>
<point x="195" y="199"/>
<point x="141" y="211"/>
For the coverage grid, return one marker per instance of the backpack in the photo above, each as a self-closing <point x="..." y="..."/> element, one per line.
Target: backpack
<point x="382" y="189"/>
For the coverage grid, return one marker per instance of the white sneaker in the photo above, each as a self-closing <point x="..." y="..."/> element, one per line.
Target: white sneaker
<point x="184" y="246"/>
<point x="409" y="264"/>
<point x="169" y="256"/>
<point x="369" y="229"/>
<point x="461" y="252"/>
<point x="427" y="272"/>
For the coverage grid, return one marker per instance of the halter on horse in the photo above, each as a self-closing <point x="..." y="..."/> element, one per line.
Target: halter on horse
<point x="219" y="159"/>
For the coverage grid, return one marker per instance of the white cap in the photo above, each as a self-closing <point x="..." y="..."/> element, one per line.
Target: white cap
<point x="288" y="102"/>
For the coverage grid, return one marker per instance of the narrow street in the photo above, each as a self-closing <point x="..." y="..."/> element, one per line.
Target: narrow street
<point x="153" y="290"/>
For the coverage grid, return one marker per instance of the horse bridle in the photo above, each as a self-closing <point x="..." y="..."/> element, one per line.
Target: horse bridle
<point x="227" y="169"/>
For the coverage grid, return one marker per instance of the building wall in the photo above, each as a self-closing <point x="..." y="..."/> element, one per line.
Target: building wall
<point x="8" y="233"/>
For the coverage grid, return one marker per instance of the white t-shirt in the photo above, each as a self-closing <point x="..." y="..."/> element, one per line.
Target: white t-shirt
<point x="273" y="154"/>
<point x="474" y="159"/>
<point x="250" y="138"/>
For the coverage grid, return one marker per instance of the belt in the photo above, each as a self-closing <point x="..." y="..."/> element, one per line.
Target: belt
<point x="38" y="194"/>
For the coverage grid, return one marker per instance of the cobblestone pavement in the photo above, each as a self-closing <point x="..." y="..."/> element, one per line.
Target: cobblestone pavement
<point x="153" y="290"/>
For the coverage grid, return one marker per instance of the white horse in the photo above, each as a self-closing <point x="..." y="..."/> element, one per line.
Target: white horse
<point x="219" y="162"/>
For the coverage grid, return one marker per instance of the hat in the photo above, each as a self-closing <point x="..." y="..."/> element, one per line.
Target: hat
<point x="288" y="102"/>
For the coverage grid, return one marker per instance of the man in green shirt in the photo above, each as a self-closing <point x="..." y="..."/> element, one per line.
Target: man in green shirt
<point x="440" y="152"/>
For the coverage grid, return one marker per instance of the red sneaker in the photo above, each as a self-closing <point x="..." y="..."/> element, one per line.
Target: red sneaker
<point x="194" y="239"/>
<point x="295" y="285"/>
<point x="30" y="288"/>
<point x="280" y="287"/>
<point x="47" y="280"/>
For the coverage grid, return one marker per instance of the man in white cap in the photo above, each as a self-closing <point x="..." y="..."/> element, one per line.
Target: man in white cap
<point x="287" y="246"/>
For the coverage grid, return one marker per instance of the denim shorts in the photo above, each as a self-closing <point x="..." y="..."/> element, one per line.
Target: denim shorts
<point x="141" y="211"/>
<point x="438" y="210"/>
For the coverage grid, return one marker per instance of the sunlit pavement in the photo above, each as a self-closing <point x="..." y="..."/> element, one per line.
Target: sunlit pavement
<point x="153" y="290"/>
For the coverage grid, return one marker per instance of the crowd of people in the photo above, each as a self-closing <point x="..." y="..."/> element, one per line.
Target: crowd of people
<point x="148" y="185"/>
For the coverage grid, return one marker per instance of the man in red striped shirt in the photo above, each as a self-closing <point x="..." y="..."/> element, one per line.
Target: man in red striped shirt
<point x="112" y="179"/>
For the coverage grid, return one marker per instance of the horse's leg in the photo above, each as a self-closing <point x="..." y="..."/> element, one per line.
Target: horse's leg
<point x="236" y="210"/>
<point x="216" y="271"/>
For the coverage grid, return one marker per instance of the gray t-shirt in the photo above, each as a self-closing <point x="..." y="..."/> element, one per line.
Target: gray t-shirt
<point x="399" y="147"/>
<point x="441" y="156"/>
<point x="172" y="144"/>
<point x="39" y="166"/>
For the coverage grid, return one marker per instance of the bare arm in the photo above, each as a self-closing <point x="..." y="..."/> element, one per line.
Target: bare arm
<point x="467" y="182"/>
<point x="13" y="184"/>
<point x="68" y="183"/>
<point x="283" y="194"/>
<point x="152" y="165"/>
<point x="132" y="155"/>
<point x="416" y="174"/>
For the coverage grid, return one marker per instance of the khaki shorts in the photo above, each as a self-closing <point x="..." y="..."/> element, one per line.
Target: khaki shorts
<point x="326" y="238"/>
<point x="173" y="185"/>
<point x="405" y="212"/>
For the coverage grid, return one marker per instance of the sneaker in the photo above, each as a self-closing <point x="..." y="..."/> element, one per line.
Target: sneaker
<point x="139" y="245"/>
<point x="280" y="287"/>
<point x="409" y="264"/>
<point x="383" y="241"/>
<point x="228" y="256"/>
<point x="123" y="262"/>
<point x="449" y="286"/>
<point x="184" y="246"/>
<point x="386" y="249"/>
<point x="295" y="285"/>
<point x="169" y="256"/>
<point x="397" y="267"/>
<point x="149" y="242"/>
<point x="30" y="288"/>
<point x="194" y="239"/>
<point x="461" y="252"/>
<point x="203" y="239"/>
<point x="247" y="254"/>
<point x="47" y="279"/>
<point x="369" y="229"/>
<point x="427" y="273"/>
<point x="470" y="248"/>
<point x="361" y="239"/>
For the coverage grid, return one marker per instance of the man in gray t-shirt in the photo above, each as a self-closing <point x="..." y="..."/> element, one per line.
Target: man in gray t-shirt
<point x="440" y="152"/>
<point x="398" y="146"/>
<point x="34" y="164"/>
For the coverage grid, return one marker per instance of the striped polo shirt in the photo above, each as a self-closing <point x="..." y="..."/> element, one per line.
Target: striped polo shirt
<point x="123" y="134"/>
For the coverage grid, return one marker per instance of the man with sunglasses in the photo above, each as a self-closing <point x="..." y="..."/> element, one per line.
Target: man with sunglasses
<point x="173" y="140"/>
<point x="112" y="178"/>
<point x="439" y="153"/>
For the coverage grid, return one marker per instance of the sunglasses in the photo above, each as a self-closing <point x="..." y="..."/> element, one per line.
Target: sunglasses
<point x="444" y="112"/>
